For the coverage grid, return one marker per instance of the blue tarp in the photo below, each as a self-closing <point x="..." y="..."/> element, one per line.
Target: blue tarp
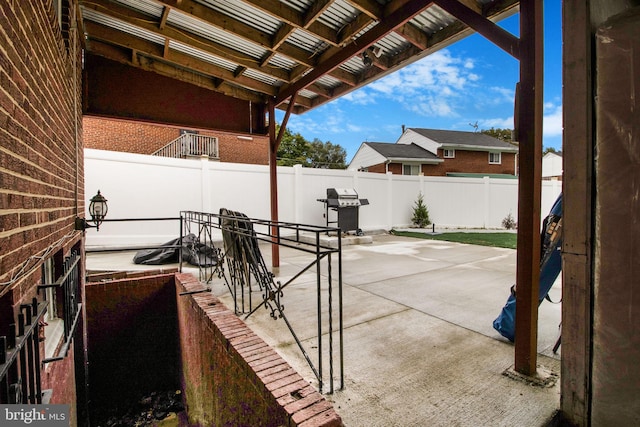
<point x="550" y="267"/>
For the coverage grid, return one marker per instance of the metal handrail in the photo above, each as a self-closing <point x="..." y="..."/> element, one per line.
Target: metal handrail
<point x="244" y="265"/>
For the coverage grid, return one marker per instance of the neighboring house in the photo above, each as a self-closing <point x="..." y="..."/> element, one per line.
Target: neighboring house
<point x="383" y="157"/>
<point x="552" y="166"/>
<point x="170" y="141"/>
<point x="438" y="153"/>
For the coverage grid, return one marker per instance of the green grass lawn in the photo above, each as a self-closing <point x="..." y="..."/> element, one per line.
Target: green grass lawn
<point x="499" y="240"/>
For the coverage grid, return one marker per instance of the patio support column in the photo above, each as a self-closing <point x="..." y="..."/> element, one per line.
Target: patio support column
<point x="528" y="123"/>
<point x="273" y="180"/>
<point x="274" y="143"/>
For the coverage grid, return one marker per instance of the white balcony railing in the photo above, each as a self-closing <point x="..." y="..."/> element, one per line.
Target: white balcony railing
<point x="190" y="145"/>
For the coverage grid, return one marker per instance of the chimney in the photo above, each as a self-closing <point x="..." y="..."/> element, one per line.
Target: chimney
<point x="403" y="129"/>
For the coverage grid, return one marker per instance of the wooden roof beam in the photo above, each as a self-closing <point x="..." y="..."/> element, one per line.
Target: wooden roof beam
<point x="111" y="36"/>
<point x="402" y="12"/>
<point x="500" y="37"/>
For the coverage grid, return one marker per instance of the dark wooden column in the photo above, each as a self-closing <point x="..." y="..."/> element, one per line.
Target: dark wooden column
<point x="273" y="179"/>
<point x="577" y="153"/>
<point x="528" y="117"/>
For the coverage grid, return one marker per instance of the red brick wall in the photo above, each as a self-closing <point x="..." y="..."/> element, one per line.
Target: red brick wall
<point x="128" y="136"/>
<point x="132" y="340"/>
<point x="464" y="162"/>
<point x="395" y="168"/>
<point x="145" y="138"/>
<point x="379" y="168"/>
<point x="232" y="377"/>
<point x="38" y="167"/>
<point x="471" y="162"/>
<point x="41" y="167"/>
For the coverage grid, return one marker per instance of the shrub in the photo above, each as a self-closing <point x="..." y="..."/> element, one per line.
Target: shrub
<point x="420" y="213"/>
<point x="508" y="222"/>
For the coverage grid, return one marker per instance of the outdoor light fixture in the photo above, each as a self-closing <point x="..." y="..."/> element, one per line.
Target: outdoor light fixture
<point x="97" y="209"/>
<point x="368" y="54"/>
<point x="366" y="59"/>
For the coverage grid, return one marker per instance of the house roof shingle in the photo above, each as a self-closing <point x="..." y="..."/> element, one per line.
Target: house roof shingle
<point x="469" y="139"/>
<point x="404" y="151"/>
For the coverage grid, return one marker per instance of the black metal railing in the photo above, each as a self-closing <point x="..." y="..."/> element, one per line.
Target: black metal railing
<point x="20" y="357"/>
<point x="69" y="283"/>
<point x="246" y="273"/>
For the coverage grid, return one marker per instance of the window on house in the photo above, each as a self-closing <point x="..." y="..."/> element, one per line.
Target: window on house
<point x="62" y="10"/>
<point x="495" y="158"/>
<point x="449" y="154"/>
<point x="411" y="169"/>
<point x="60" y="283"/>
<point x="54" y="325"/>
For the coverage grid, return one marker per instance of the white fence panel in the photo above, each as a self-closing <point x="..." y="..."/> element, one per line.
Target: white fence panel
<point x="139" y="186"/>
<point x="405" y="190"/>
<point x="238" y="187"/>
<point x="375" y="188"/>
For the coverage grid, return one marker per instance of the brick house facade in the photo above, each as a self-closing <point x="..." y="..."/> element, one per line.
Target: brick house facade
<point x="42" y="256"/>
<point x="438" y="153"/>
<point x="146" y="138"/>
<point x="41" y="192"/>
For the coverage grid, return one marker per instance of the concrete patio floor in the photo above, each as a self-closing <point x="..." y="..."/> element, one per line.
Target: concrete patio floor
<point x="419" y="346"/>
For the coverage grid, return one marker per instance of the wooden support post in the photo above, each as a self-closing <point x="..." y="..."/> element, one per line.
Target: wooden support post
<point x="273" y="179"/>
<point x="529" y="133"/>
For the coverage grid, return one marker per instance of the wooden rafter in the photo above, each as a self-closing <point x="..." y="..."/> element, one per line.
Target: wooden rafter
<point x="337" y="45"/>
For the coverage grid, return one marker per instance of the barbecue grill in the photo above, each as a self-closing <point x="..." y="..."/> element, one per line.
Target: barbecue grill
<point x="346" y="203"/>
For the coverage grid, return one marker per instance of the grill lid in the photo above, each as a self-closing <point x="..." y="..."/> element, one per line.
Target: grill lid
<point x="341" y="193"/>
<point x="344" y="197"/>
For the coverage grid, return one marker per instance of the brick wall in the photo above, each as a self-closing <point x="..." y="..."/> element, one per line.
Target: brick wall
<point x="128" y="136"/>
<point x="145" y="138"/>
<point x="41" y="167"/>
<point x="471" y="162"/>
<point x="464" y="162"/>
<point x="232" y="377"/>
<point x="144" y="336"/>
<point x="132" y="340"/>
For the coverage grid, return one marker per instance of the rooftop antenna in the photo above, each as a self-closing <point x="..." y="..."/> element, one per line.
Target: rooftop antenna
<point x="474" y="126"/>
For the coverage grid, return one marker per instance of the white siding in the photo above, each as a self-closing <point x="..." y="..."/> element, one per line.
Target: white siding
<point x="365" y="157"/>
<point x="551" y="165"/>
<point x="410" y="136"/>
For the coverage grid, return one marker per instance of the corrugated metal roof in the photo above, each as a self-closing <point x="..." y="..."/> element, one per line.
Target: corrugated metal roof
<point x="291" y="45"/>
<point x="197" y="27"/>
<point x="338" y="14"/>
<point x="197" y="53"/>
<point x="110" y="21"/>
<point x="244" y="13"/>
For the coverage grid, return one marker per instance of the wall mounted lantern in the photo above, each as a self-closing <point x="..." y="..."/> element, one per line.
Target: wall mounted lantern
<point x="97" y="209"/>
<point x="368" y="54"/>
<point x="367" y="60"/>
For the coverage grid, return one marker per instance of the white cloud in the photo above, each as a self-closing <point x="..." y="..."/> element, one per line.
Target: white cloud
<point x="359" y="97"/>
<point x="552" y="122"/>
<point x="497" y="123"/>
<point x="432" y="86"/>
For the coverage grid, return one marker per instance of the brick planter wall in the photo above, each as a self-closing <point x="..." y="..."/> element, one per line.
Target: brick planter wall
<point x="230" y="376"/>
<point x="144" y="336"/>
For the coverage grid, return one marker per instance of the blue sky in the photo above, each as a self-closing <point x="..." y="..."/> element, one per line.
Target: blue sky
<point x="470" y="81"/>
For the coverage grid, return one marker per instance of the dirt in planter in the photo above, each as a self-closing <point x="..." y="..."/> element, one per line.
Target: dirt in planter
<point x="150" y="410"/>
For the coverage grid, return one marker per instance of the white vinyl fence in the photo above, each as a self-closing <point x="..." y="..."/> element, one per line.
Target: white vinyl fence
<point x="140" y="186"/>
